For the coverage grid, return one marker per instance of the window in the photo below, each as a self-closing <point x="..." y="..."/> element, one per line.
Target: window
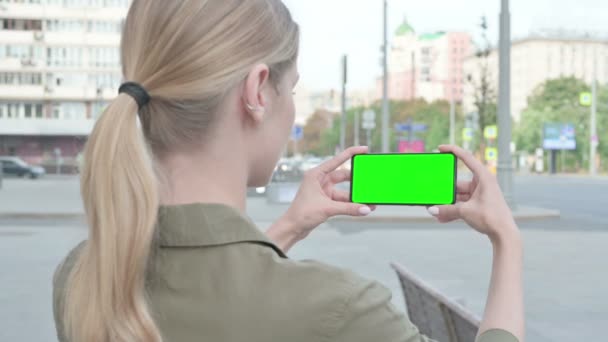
<point x="23" y="52"/>
<point x="19" y="78"/>
<point x="20" y="24"/>
<point x="56" y="111"/>
<point x="11" y="111"/>
<point x="75" y="110"/>
<point x="9" y="164"/>
<point x="38" y="110"/>
<point x="28" y="111"/>
<point x="64" y="56"/>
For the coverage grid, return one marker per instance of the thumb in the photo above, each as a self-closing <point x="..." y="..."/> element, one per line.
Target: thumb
<point x="446" y="213"/>
<point x="350" y="209"/>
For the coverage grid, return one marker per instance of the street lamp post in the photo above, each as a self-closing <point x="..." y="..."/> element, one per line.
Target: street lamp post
<point x="343" y="116"/>
<point x="452" y="117"/>
<point x="505" y="164"/>
<point x="385" y="114"/>
<point x="593" y="126"/>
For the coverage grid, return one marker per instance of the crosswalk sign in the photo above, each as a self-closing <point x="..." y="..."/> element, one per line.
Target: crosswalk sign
<point x="491" y="132"/>
<point x="467" y="134"/>
<point x="491" y="154"/>
<point x="586" y="99"/>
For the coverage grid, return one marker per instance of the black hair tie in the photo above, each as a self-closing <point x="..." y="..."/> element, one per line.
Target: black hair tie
<point x="137" y="92"/>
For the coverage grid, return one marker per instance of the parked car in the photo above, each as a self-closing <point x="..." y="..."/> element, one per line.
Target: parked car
<point x="14" y="166"/>
<point x="256" y="192"/>
<point x="287" y="170"/>
<point x="310" y="163"/>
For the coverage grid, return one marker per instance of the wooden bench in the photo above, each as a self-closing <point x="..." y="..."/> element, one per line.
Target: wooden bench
<point x="435" y="315"/>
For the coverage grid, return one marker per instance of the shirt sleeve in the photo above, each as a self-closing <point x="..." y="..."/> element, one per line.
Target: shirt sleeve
<point x="497" y="335"/>
<point x="59" y="284"/>
<point x="370" y="316"/>
<point x="58" y="293"/>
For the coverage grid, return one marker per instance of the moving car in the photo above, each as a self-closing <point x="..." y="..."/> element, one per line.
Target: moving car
<point x="15" y="166"/>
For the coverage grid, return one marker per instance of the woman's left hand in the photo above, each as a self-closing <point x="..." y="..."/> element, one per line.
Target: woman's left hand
<point x="317" y="200"/>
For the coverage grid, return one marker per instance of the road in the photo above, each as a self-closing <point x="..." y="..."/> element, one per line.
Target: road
<point x="566" y="297"/>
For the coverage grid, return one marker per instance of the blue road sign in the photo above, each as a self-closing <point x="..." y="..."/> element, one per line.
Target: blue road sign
<point x="403" y="127"/>
<point x="411" y="127"/>
<point x="297" y="133"/>
<point x="420" y="128"/>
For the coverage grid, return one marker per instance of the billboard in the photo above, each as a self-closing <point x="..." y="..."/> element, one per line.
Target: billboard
<point x="415" y="146"/>
<point x="559" y="136"/>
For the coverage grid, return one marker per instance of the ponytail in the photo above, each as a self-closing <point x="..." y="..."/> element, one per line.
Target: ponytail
<point x="189" y="55"/>
<point x="105" y="297"/>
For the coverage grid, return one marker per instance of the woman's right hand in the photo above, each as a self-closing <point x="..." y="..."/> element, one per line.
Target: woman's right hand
<point x="480" y="202"/>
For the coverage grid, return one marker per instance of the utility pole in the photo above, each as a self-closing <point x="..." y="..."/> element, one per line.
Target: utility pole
<point x="385" y="110"/>
<point x="452" y="118"/>
<point x="343" y="124"/>
<point x="505" y="164"/>
<point x="357" y="129"/>
<point x="593" y="126"/>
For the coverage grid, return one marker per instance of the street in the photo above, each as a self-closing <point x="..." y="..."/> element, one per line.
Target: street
<point x="566" y="298"/>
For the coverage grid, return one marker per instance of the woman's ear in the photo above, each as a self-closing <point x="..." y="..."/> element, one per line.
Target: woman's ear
<point x="254" y="93"/>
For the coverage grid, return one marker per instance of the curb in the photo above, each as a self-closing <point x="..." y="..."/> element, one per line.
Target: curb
<point x="542" y="214"/>
<point x="42" y="216"/>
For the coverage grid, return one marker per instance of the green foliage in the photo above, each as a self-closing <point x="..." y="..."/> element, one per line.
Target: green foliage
<point x="435" y="115"/>
<point x="557" y="101"/>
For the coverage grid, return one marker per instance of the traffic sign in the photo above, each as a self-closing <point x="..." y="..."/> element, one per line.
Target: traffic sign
<point x="490" y="132"/>
<point x="420" y="128"/>
<point x="369" y="125"/>
<point x="297" y="133"/>
<point x="403" y="127"/>
<point x="586" y="99"/>
<point x="411" y="127"/>
<point x="467" y="134"/>
<point x="369" y="115"/>
<point x="491" y="154"/>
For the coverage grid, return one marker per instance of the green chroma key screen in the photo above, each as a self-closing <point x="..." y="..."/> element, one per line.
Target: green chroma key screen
<point x="404" y="179"/>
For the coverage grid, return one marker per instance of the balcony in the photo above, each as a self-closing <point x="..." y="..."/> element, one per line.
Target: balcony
<point x="46" y="127"/>
<point x="60" y="38"/>
<point x="39" y="11"/>
<point x="41" y="93"/>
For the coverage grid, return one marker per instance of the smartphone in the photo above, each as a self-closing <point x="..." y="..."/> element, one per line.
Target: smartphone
<point x="424" y="179"/>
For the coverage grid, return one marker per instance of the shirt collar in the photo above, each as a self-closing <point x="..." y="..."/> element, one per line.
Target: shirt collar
<point x="204" y="225"/>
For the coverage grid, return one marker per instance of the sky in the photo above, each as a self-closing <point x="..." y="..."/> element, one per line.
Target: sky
<point x="331" y="28"/>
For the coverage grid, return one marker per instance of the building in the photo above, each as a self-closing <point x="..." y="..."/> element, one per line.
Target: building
<point x="59" y="67"/>
<point x="428" y="66"/>
<point x="537" y="59"/>
<point x="308" y="102"/>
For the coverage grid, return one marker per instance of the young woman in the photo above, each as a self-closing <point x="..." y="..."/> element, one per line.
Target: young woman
<point x="171" y="255"/>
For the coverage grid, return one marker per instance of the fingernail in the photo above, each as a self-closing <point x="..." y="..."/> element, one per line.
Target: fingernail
<point x="365" y="211"/>
<point x="433" y="211"/>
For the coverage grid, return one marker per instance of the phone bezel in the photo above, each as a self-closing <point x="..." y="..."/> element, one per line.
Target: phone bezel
<point x="352" y="178"/>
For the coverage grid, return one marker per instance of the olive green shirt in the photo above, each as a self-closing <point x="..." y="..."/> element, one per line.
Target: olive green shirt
<point x="215" y="277"/>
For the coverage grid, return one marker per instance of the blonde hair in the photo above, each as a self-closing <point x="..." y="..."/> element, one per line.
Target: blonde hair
<point x="188" y="54"/>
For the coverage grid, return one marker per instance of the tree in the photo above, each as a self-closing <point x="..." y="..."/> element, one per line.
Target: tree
<point x="557" y="101"/>
<point x="435" y="115"/>
<point x="484" y="89"/>
<point x="314" y="131"/>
